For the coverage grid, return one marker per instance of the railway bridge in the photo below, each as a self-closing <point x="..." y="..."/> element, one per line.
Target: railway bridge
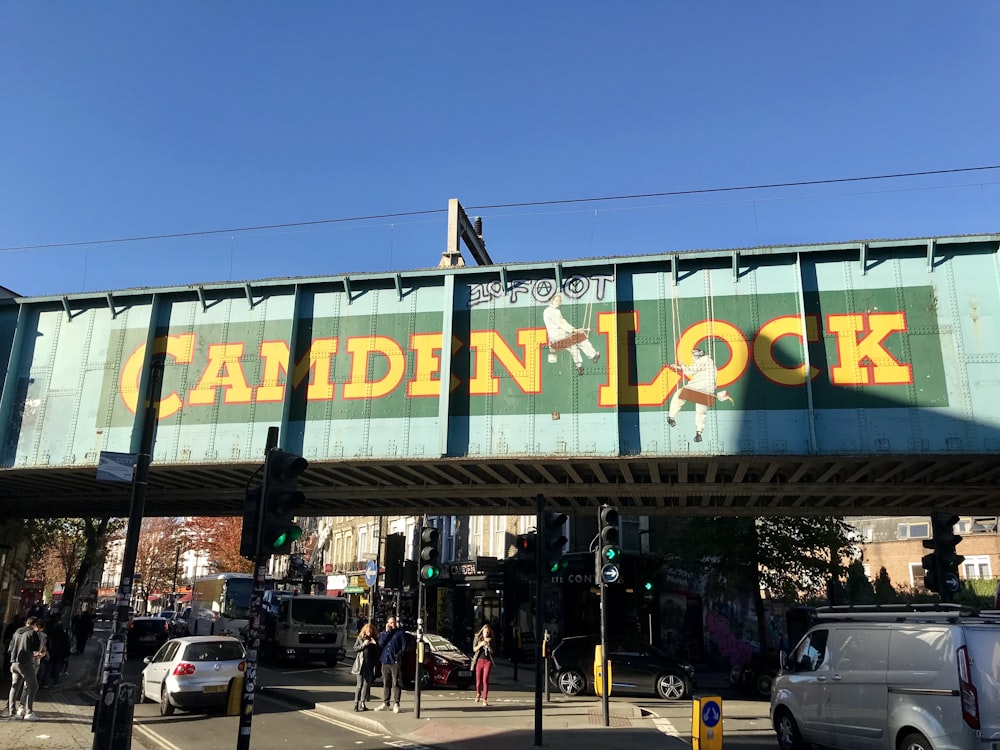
<point x="840" y="379"/>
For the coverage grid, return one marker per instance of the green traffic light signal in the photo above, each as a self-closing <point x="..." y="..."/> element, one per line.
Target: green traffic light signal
<point x="611" y="553"/>
<point x="430" y="553"/>
<point x="648" y="585"/>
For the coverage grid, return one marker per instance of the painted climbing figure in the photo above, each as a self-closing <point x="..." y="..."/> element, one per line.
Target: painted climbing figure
<point x="565" y="336"/>
<point x="700" y="389"/>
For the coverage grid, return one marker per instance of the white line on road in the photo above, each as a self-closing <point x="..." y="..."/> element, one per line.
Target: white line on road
<point x="667" y="727"/>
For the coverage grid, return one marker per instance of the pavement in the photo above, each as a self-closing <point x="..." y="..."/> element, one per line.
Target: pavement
<point x="448" y="719"/>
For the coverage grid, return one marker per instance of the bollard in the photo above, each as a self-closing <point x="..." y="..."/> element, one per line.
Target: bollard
<point x="706" y="723"/>
<point x="235" y="696"/>
<point x="116" y="733"/>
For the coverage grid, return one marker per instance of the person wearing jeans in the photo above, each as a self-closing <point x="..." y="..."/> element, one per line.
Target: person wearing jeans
<point x="25" y="646"/>
<point x="482" y="659"/>
<point x="392" y="643"/>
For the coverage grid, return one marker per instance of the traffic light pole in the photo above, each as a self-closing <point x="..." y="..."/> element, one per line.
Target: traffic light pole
<point x="253" y="629"/>
<point x="112" y="722"/>
<point x="539" y="594"/>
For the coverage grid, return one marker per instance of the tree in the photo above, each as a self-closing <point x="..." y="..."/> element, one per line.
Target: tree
<point x="792" y="558"/>
<point x="219" y="540"/>
<point x="858" y="588"/>
<point x="69" y="550"/>
<point x="156" y="555"/>
<point x="885" y="592"/>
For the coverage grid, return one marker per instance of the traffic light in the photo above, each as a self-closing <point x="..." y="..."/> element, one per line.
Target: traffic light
<point x="949" y="561"/>
<point x="395" y="549"/>
<point x="281" y="500"/>
<point x="608" y="541"/>
<point x="430" y="555"/>
<point x="608" y="552"/>
<point x="525" y="554"/>
<point x="251" y="511"/>
<point x="554" y="541"/>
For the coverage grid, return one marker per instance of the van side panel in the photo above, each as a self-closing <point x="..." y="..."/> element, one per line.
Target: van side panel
<point x="923" y="683"/>
<point x="984" y="650"/>
<point x="858" y="691"/>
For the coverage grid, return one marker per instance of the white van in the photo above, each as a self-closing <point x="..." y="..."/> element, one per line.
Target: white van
<point x="893" y="679"/>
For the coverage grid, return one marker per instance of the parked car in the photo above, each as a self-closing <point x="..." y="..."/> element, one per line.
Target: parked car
<point x="146" y="634"/>
<point x="636" y="668"/>
<point x="444" y="663"/>
<point x="178" y="626"/>
<point x="867" y="677"/>
<point x="169" y="615"/>
<point x="755" y="677"/>
<point x="105" y="611"/>
<point x="192" y="672"/>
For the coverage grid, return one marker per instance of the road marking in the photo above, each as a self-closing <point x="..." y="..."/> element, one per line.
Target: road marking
<point x="156" y="737"/>
<point x="667" y="727"/>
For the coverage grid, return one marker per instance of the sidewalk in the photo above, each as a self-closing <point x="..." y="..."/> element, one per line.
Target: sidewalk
<point x="449" y="719"/>
<point x="64" y="713"/>
<point x="452" y="719"/>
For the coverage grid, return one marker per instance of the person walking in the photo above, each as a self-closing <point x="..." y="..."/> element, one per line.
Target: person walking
<point x="365" y="663"/>
<point x="482" y="662"/>
<point x="392" y="644"/>
<point x="59" y="648"/>
<point x="24" y="649"/>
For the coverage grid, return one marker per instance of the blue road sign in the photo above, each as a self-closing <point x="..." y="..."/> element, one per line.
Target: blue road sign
<point x="610" y="573"/>
<point x="711" y="712"/>
<point x="371" y="573"/>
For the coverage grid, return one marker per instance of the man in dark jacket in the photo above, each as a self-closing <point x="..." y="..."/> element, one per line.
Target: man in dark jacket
<point x="24" y="681"/>
<point x="392" y="644"/>
<point x="59" y="648"/>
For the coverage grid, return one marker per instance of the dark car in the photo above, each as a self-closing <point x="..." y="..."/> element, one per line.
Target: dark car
<point x="179" y="625"/>
<point x="636" y="668"/>
<point x="146" y="634"/>
<point x="444" y="664"/>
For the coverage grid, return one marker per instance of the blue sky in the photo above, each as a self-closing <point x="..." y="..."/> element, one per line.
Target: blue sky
<point x="126" y="119"/>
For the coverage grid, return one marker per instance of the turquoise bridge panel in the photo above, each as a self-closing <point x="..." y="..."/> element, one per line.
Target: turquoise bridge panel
<point x="880" y="347"/>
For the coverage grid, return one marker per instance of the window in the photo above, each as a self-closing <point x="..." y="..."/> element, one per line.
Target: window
<point x="475" y="536"/>
<point x="916" y="575"/>
<point x="913" y="530"/>
<point x="983" y="525"/>
<point x="499" y="524"/>
<point x="811" y="651"/>
<point x="976" y="567"/>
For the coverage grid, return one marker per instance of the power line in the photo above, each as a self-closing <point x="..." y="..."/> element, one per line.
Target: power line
<point x="523" y="204"/>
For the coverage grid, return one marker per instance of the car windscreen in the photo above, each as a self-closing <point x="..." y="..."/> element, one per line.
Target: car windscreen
<point x="438" y="643"/>
<point x="213" y="651"/>
<point x="319" y="611"/>
<point x="145" y="627"/>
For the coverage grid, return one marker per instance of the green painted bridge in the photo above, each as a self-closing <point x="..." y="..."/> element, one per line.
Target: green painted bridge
<point x="854" y="378"/>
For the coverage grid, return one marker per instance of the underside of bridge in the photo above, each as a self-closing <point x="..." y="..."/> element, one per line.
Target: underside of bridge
<point x="724" y="485"/>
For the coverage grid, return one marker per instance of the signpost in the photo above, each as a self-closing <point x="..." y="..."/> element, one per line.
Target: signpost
<point x="371" y="573"/>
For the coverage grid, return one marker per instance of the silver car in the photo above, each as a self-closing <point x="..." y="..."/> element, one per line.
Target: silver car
<point x="193" y="672"/>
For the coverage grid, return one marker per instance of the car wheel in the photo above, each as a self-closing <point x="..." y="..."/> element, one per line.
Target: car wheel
<point x="915" y="741"/>
<point x="671" y="687"/>
<point x="764" y="685"/>
<point x="571" y="682"/>
<point x="166" y="707"/>
<point x="789" y="737"/>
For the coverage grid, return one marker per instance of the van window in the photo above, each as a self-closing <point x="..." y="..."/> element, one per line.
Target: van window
<point x="920" y="650"/>
<point x="811" y="651"/>
<point x="863" y="649"/>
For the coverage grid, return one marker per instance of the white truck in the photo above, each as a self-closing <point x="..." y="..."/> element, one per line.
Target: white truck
<point x="301" y="627"/>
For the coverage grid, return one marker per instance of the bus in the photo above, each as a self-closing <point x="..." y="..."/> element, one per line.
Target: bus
<point x="220" y="604"/>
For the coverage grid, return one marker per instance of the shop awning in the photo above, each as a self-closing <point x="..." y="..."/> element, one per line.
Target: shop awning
<point x="184" y="599"/>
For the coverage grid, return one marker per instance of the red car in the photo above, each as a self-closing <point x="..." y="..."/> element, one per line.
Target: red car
<point x="444" y="664"/>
